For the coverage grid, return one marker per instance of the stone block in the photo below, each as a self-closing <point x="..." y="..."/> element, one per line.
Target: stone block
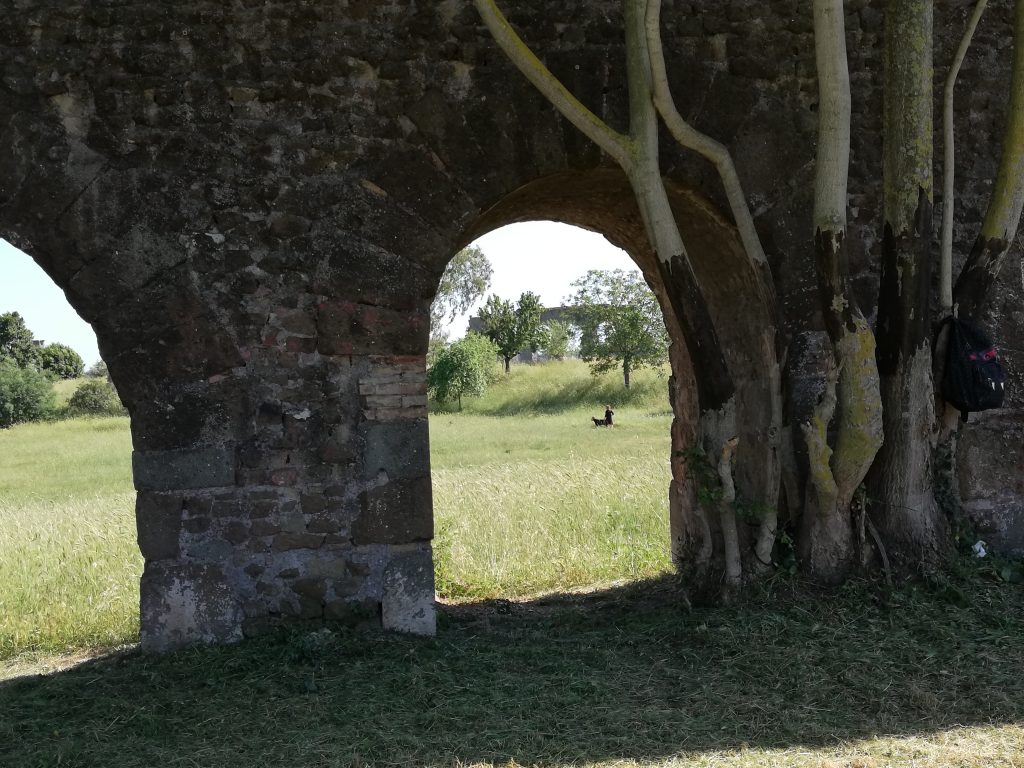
<point x="312" y="588"/>
<point x="286" y="541"/>
<point x="398" y="512"/>
<point x="349" y="328"/>
<point x="210" y="467"/>
<point x="407" y="604"/>
<point x="184" y="603"/>
<point x="158" y="521"/>
<point x="400" y="449"/>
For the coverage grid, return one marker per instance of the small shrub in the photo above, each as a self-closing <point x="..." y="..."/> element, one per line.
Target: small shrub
<point x="25" y="395"/>
<point x="95" y="397"/>
<point x="465" y="367"/>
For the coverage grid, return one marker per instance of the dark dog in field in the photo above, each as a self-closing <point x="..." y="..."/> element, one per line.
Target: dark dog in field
<point x="599" y="422"/>
<point x="607" y="420"/>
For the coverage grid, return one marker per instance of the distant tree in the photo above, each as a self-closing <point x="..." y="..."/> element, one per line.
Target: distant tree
<point x="17" y="343"/>
<point x="620" y="322"/>
<point x="464" y="367"/>
<point x="464" y="282"/>
<point x="25" y="394"/>
<point x="98" y="370"/>
<point x="512" y="327"/>
<point x="61" y="361"/>
<point x="95" y="397"/>
<point x="555" y="338"/>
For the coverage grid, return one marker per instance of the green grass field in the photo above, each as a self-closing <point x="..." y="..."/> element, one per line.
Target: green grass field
<point x="530" y="498"/>
<point x="529" y="503"/>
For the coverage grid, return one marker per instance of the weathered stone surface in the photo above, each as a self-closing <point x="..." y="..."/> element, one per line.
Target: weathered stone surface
<point x="158" y="521"/>
<point x="408" y="601"/>
<point x="183" y="469"/>
<point x="399" y="449"/>
<point x="398" y="512"/>
<point x="256" y="242"/>
<point x="991" y="474"/>
<point x="185" y="604"/>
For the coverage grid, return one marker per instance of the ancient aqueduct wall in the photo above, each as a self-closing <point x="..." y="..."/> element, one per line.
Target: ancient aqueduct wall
<point x="252" y="203"/>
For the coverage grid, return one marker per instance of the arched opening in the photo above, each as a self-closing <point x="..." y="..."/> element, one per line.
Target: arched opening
<point x="601" y="200"/>
<point x="530" y="495"/>
<point x="69" y="577"/>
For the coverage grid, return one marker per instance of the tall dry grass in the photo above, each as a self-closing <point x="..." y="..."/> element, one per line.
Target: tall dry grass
<point x="529" y="497"/>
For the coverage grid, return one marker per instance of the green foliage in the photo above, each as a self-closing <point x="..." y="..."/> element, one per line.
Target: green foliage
<point x="464" y="282"/>
<point x="554" y="339"/>
<point x="98" y="370"/>
<point x="620" y="322"/>
<point x="61" y="361"/>
<point x="465" y="367"/>
<point x="25" y="394"/>
<point x="512" y="327"/>
<point x="17" y="344"/>
<point x="95" y="397"/>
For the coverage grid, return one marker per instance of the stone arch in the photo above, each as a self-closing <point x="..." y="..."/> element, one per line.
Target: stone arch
<point x="253" y="204"/>
<point x="600" y="199"/>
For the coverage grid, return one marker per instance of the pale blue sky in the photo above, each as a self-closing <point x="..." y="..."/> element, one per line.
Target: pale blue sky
<point x="543" y="257"/>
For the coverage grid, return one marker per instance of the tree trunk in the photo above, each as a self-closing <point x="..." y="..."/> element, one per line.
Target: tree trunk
<point x="1003" y="216"/>
<point x="508" y="360"/>
<point x="625" y="372"/>
<point x="901" y="480"/>
<point x="851" y="397"/>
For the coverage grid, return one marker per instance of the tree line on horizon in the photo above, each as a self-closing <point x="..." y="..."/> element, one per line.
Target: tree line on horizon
<point x="28" y="369"/>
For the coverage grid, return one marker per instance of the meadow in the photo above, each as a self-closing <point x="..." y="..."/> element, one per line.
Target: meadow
<point x="529" y="497"/>
<point x="562" y="637"/>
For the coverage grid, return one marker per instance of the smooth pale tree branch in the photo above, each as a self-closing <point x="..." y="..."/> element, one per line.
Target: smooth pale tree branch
<point x="690" y="138"/>
<point x="833" y="159"/>
<point x="1004" y="210"/>
<point x="730" y="533"/>
<point x="572" y="109"/>
<point x="948" y="169"/>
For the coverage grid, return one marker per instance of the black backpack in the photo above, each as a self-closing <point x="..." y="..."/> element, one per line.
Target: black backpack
<point x="974" y="378"/>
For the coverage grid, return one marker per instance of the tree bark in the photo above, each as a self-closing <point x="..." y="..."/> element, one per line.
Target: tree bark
<point x="851" y="397"/>
<point x="625" y="372"/>
<point x="900" y="483"/>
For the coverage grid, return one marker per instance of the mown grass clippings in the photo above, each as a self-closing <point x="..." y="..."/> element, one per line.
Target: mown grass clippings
<point x="623" y="677"/>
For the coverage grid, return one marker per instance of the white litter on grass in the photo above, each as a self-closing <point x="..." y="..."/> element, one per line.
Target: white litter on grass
<point x="979" y="549"/>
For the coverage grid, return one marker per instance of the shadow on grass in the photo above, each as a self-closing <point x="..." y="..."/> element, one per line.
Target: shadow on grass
<point x="621" y="674"/>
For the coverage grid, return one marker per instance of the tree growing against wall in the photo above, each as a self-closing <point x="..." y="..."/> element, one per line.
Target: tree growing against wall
<point x="620" y="322"/>
<point x="636" y="152"/>
<point x="875" y="422"/>
<point x="512" y="327"/>
<point x="463" y="368"/>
